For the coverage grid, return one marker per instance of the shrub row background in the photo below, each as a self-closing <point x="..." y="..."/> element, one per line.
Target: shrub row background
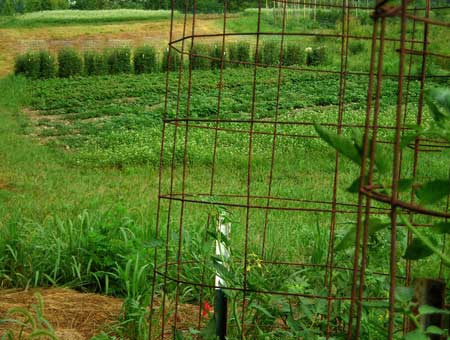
<point x="144" y="59"/>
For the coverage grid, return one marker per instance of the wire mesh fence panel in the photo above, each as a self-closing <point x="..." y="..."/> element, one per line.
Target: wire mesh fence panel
<point x="264" y="230"/>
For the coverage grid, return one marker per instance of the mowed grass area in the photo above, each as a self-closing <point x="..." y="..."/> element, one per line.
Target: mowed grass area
<point x="80" y="17"/>
<point x="79" y="176"/>
<point x="79" y="180"/>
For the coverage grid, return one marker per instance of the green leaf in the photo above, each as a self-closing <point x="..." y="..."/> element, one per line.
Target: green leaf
<point x="209" y="332"/>
<point x="442" y="97"/>
<point x="417" y="250"/>
<point x="408" y="139"/>
<point x="343" y="145"/>
<point x="354" y="187"/>
<point x="436" y="114"/>
<point x="404" y="294"/>
<point x="442" y="227"/>
<point x="405" y="184"/>
<point x="416" y="335"/>
<point x="435" y="330"/>
<point x="381" y="161"/>
<point x="262" y="310"/>
<point x="375" y="225"/>
<point x="427" y="310"/>
<point x="42" y="332"/>
<point x="434" y="191"/>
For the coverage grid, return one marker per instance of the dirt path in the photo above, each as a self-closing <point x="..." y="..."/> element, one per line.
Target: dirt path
<point x="84" y="37"/>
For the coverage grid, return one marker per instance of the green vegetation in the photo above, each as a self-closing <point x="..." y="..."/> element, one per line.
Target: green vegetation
<point x="145" y="60"/>
<point x="78" y="17"/>
<point x="70" y="63"/>
<point x="95" y="63"/>
<point x="119" y="60"/>
<point x="80" y="158"/>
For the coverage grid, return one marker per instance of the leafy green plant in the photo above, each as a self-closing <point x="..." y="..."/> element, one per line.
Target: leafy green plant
<point x="316" y="56"/>
<point x="199" y="54"/>
<point x="30" y="324"/>
<point x="28" y="64"/>
<point x="47" y="66"/>
<point x="95" y="63"/>
<point x="293" y="54"/>
<point x="238" y="53"/>
<point x="173" y="64"/>
<point x="144" y="60"/>
<point x="431" y="192"/>
<point x="270" y="53"/>
<point x="119" y="60"/>
<point x="69" y="62"/>
<point x="216" y="52"/>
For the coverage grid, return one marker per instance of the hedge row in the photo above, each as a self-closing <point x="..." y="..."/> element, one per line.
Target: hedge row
<point x="70" y="63"/>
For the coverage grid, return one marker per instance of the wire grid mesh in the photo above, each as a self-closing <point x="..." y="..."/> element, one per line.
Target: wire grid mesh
<point x="246" y="151"/>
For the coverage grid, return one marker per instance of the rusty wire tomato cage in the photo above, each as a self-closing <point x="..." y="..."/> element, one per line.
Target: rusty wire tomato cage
<point x="270" y="214"/>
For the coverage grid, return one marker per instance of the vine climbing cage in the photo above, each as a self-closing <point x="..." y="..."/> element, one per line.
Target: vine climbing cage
<point x="262" y="229"/>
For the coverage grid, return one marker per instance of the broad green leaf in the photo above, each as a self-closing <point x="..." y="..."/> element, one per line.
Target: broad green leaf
<point x="354" y="187"/>
<point x="435" y="330"/>
<point x="262" y="310"/>
<point x="442" y="97"/>
<point x="404" y="294"/>
<point x="426" y="310"/>
<point x="434" y="191"/>
<point x="405" y="184"/>
<point x="381" y="161"/>
<point x="408" y="139"/>
<point x="442" y="227"/>
<point x="417" y="250"/>
<point x="416" y="335"/>
<point x="209" y="331"/>
<point x="375" y="225"/>
<point x="343" y="145"/>
<point x="437" y="115"/>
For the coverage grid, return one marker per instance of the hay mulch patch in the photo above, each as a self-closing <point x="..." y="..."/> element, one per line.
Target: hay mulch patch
<point x="73" y="315"/>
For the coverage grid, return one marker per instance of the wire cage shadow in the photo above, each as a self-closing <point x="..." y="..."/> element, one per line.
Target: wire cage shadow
<point x="264" y="231"/>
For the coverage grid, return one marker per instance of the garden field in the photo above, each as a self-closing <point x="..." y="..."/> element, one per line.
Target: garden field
<point x="81" y="158"/>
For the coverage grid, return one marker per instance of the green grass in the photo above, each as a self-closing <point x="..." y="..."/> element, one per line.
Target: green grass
<point x="80" y="17"/>
<point x="79" y="177"/>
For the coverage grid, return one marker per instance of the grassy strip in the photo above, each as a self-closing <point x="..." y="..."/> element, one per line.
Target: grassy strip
<point x="79" y="17"/>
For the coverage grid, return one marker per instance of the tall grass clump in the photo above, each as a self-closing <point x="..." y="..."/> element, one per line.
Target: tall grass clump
<point x="216" y="53"/>
<point x="270" y="53"/>
<point x="144" y="60"/>
<point x="93" y="252"/>
<point x="47" y="65"/>
<point x="316" y="56"/>
<point x="239" y="52"/>
<point x="198" y="54"/>
<point x="119" y="60"/>
<point x="69" y="62"/>
<point x="28" y="65"/>
<point x="328" y="18"/>
<point x="293" y="54"/>
<point x="95" y="64"/>
<point x="171" y="64"/>
<point x="356" y="47"/>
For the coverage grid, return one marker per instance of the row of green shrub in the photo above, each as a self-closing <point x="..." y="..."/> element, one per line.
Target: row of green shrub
<point x="69" y="62"/>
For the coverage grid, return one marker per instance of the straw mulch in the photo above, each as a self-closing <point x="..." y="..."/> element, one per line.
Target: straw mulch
<point x="73" y="315"/>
